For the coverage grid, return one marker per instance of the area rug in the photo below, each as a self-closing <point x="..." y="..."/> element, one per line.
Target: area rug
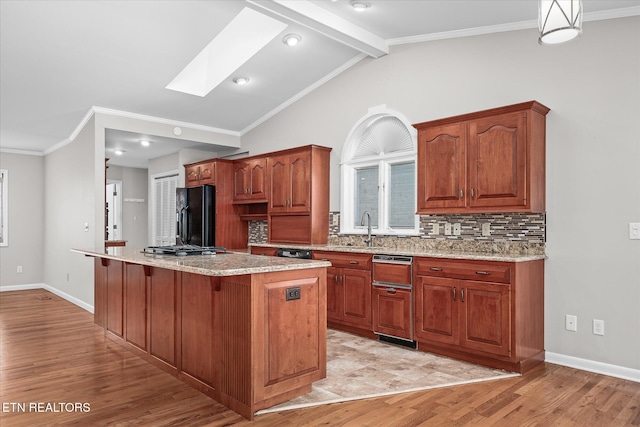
<point x="361" y="368"/>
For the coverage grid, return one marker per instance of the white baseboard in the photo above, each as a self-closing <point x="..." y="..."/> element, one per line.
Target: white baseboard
<point x="593" y="366"/>
<point x="51" y="289"/>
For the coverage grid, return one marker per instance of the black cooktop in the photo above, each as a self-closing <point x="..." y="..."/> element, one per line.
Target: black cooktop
<point x="184" y="250"/>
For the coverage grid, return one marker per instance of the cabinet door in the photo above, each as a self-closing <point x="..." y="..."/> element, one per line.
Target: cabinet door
<point x="436" y="309"/>
<point x="279" y="182"/>
<point x="162" y="314"/>
<point x="392" y="311"/>
<point x="497" y="161"/>
<point x="300" y="182"/>
<point x="136" y="305"/>
<point x="334" y="294"/>
<point x="114" y="293"/>
<point x="207" y="173"/>
<point x="241" y="180"/>
<point x="485" y="317"/>
<point x="356" y="288"/>
<point x="192" y="176"/>
<point x="441" y="167"/>
<point x="197" y="327"/>
<point x="258" y="179"/>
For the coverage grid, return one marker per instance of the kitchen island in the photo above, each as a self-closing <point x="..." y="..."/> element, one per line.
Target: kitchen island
<point x="246" y="330"/>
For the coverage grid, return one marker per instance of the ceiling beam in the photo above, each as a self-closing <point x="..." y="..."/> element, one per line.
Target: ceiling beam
<point x="324" y="22"/>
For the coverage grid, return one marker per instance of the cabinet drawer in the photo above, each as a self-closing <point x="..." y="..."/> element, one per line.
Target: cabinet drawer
<point x="483" y="271"/>
<point x="345" y="259"/>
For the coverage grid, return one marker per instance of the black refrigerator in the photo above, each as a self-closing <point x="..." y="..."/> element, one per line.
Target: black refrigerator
<point x="196" y="216"/>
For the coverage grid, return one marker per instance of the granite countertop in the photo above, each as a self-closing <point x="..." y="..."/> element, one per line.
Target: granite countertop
<point x="424" y="252"/>
<point x="229" y="264"/>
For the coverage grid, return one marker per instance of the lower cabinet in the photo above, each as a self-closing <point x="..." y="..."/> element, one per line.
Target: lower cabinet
<point x="348" y="288"/>
<point x="392" y="309"/>
<point x="485" y="312"/>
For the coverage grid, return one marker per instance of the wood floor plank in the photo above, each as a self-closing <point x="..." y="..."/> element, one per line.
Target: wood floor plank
<point x="51" y="352"/>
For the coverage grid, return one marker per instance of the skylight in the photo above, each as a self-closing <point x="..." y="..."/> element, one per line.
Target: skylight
<point x="242" y="38"/>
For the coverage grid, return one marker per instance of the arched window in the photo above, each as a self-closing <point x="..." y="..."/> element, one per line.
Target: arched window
<point x="378" y="172"/>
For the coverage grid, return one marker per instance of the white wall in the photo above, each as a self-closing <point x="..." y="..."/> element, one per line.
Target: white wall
<point x="26" y="220"/>
<point x="592" y="86"/>
<point x="74" y="196"/>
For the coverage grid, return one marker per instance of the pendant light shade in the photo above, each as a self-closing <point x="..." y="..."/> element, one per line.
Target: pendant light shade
<point x="559" y="20"/>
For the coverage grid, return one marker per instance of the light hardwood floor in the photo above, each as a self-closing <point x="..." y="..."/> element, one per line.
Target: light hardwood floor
<point x="52" y="353"/>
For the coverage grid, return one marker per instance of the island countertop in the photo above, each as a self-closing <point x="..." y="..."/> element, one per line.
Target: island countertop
<point x="228" y="264"/>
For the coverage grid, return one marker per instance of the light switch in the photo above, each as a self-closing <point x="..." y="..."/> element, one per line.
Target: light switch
<point x="634" y="230"/>
<point x="486" y="229"/>
<point x="447" y="229"/>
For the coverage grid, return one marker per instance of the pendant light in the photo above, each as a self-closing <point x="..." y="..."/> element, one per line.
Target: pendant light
<point x="559" y="20"/>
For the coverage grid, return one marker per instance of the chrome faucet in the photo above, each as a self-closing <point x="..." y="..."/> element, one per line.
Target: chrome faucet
<point x="367" y="215"/>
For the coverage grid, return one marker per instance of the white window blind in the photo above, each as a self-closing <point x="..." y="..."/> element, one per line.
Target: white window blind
<point x="379" y="176"/>
<point x="164" y="224"/>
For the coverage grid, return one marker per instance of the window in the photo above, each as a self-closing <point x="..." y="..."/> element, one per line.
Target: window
<point x="379" y="176"/>
<point x="4" y="208"/>
<point x="164" y="210"/>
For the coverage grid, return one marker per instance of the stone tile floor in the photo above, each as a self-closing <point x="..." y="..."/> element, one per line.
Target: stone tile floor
<point x="359" y="368"/>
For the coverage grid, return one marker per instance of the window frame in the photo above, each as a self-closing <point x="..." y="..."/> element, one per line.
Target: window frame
<point x="383" y="161"/>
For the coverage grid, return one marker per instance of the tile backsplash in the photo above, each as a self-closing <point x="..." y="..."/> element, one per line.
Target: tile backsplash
<point x="522" y="233"/>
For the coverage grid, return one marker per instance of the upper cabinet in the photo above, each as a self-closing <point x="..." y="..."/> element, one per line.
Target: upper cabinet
<point x="250" y="180"/>
<point x="489" y="161"/>
<point x="290" y="182"/>
<point x="199" y="173"/>
<point x="298" y="209"/>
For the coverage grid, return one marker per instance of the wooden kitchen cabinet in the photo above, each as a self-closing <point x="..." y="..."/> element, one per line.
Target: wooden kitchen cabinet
<point x="348" y="289"/>
<point x="489" y="161"/>
<point x="483" y="311"/>
<point x="250" y="180"/>
<point x="290" y="181"/>
<point x="200" y="173"/>
<point x="298" y="209"/>
<point x="392" y="311"/>
<point x="136" y="305"/>
<point x="264" y="250"/>
<point x="114" y="291"/>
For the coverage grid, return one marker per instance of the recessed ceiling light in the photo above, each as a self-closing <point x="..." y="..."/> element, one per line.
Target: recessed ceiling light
<point x="145" y="143"/>
<point x="119" y="152"/>
<point x="291" y="39"/>
<point x="241" y="80"/>
<point x="360" y="5"/>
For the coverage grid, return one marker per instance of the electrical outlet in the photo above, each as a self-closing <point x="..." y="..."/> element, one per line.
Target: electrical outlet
<point x="19" y="269"/>
<point x="571" y="323"/>
<point x="486" y="229"/>
<point x="457" y="229"/>
<point x="634" y="230"/>
<point x="435" y="229"/>
<point x="293" y="293"/>
<point x="598" y="327"/>
<point x="336" y="219"/>
<point x="447" y="229"/>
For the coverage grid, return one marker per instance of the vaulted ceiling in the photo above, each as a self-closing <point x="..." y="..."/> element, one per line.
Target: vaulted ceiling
<point x="58" y="59"/>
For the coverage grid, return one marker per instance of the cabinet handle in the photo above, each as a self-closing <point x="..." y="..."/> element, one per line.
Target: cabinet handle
<point x="453" y="293"/>
<point x="247" y="190"/>
<point x="354" y="262"/>
<point x="472" y="192"/>
<point x="435" y="269"/>
<point x="391" y="291"/>
<point x="342" y="279"/>
<point x="335" y="278"/>
<point x="461" y="193"/>
<point x="484" y="273"/>
<point x="462" y="294"/>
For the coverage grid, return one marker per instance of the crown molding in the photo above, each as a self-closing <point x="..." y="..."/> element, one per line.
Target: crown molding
<point x="515" y="26"/>
<point x="23" y="152"/>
